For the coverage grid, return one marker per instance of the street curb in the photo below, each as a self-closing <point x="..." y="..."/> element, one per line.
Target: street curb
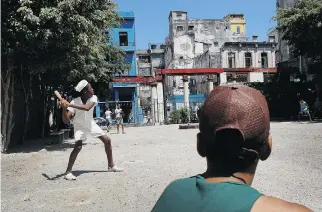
<point x="188" y="126"/>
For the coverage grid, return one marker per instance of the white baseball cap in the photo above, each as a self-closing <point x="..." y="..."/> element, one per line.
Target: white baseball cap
<point x="81" y="85"/>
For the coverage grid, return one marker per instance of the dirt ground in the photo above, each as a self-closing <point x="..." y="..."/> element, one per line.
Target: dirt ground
<point x="152" y="157"/>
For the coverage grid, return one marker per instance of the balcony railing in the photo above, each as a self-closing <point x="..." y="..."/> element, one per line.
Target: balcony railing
<point x="127" y="43"/>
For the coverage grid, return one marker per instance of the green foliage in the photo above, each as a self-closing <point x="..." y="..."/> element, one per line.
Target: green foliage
<point x="184" y="115"/>
<point x="175" y="116"/>
<point x="301" y="26"/>
<point x="63" y="40"/>
<point x="49" y="45"/>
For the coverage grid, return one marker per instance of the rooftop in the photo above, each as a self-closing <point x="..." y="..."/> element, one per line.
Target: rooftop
<point x="126" y="14"/>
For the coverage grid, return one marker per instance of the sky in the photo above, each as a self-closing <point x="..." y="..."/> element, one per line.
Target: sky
<point x="151" y="16"/>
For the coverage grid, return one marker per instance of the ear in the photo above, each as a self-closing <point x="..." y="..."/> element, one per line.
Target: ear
<point x="267" y="149"/>
<point x="201" y="148"/>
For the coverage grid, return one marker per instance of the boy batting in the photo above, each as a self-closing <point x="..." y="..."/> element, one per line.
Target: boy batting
<point x="81" y="109"/>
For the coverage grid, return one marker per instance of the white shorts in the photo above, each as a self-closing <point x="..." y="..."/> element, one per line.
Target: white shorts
<point x="81" y="133"/>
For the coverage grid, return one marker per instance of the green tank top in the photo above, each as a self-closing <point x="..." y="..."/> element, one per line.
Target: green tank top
<point x="196" y="195"/>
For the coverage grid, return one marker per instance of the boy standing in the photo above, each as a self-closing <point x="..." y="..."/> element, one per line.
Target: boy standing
<point x="108" y="116"/>
<point x="119" y="118"/>
<point x="82" y="110"/>
<point x="304" y="109"/>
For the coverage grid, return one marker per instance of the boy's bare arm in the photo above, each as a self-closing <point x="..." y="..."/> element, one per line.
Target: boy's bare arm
<point x="272" y="204"/>
<point x="66" y="115"/>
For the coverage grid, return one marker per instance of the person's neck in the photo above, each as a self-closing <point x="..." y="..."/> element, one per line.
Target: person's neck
<point x="239" y="177"/>
<point x="84" y="99"/>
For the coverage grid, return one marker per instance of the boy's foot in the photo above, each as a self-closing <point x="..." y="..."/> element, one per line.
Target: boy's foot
<point x="123" y="132"/>
<point x="70" y="176"/>
<point x="114" y="169"/>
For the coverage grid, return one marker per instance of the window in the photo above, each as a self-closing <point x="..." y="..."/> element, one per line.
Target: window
<point x="264" y="60"/>
<point x="174" y="83"/>
<point x="248" y="59"/>
<point x="231" y="60"/>
<point x="179" y="28"/>
<point x="123" y="39"/>
<point x="144" y="59"/>
<point x="190" y="27"/>
<point x="153" y="46"/>
<point x="238" y="29"/>
<point x="179" y="14"/>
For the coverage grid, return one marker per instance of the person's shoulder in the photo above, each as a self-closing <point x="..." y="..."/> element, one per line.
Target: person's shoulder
<point x="182" y="183"/>
<point x="94" y="98"/>
<point x="272" y="204"/>
<point x="77" y="99"/>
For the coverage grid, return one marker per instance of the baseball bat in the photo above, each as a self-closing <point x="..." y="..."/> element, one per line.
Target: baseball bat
<point x="58" y="95"/>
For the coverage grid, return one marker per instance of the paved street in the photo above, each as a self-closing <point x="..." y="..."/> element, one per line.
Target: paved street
<point x="153" y="157"/>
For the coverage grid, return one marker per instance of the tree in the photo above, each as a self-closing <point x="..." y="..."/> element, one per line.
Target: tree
<point x="301" y="26"/>
<point x="53" y="44"/>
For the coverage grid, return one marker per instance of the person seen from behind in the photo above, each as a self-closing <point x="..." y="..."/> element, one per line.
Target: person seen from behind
<point x="234" y="135"/>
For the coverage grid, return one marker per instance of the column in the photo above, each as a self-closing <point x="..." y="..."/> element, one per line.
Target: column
<point x="185" y="80"/>
<point x="273" y="60"/>
<point x="210" y="83"/>
<point x="134" y="106"/>
<point x="160" y="102"/>
<point x="255" y="77"/>
<point x="222" y="78"/>
<point x="153" y="101"/>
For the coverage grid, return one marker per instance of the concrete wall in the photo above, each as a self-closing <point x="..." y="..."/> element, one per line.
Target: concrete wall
<point x="255" y="77"/>
<point x="128" y="26"/>
<point x="157" y="60"/>
<point x="284" y="48"/>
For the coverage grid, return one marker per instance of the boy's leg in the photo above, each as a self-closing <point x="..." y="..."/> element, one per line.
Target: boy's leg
<point x="72" y="158"/>
<point x="109" y="153"/>
<point x="308" y="113"/>
<point x="122" y="127"/>
<point x="118" y="125"/>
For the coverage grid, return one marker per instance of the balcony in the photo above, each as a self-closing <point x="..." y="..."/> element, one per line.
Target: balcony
<point x="127" y="46"/>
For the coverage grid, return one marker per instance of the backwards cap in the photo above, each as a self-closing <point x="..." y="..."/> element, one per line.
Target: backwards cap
<point x="236" y="107"/>
<point x="81" y="85"/>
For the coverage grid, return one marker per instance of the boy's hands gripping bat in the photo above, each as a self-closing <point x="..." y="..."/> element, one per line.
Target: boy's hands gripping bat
<point x="63" y="102"/>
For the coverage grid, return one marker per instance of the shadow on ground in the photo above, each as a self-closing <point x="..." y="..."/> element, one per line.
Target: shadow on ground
<point x="76" y="173"/>
<point x="28" y="148"/>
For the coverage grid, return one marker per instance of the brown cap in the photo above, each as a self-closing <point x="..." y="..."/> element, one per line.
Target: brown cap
<point x="236" y="107"/>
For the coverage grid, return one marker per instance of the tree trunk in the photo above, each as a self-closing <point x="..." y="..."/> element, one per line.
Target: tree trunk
<point x="7" y="81"/>
<point x="27" y="94"/>
<point x="46" y="96"/>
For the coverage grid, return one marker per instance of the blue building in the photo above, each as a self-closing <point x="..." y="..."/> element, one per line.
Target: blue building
<point x="125" y="93"/>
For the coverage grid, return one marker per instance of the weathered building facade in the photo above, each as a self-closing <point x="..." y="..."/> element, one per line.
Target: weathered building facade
<point x="234" y="55"/>
<point x="190" y="38"/>
<point x="150" y="96"/>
